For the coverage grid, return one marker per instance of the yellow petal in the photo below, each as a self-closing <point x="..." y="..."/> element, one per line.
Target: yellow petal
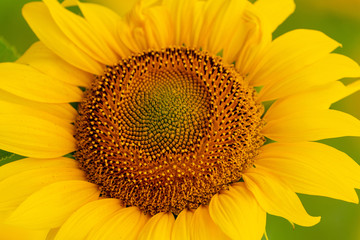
<point x="208" y="15"/>
<point x="127" y="38"/>
<point x="181" y="229"/>
<point x="69" y="3"/>
<point x="182" y="13"/>
<point x="40" y="57"/>
<point x="81" y="33"/>
<point x="325" y="71"/>
<point x="120" y="7"/>
<point x="158" y="227"/>
<point x="124" y="224"/>
<point x="26" y="82"/>
<point x="159" y="29"/>
<point x="226" y="25"/>
<point x="150" y="27"/>
<point x="277" y="198"/>
<point x="275" y="11"/>
<point x="38" y="17"/>
<point x="18" y="187"/>
<point x="246" y="47"/>
<point x="8" y="232"/>
<point x="10" y="108"/>
<point x="88" y="217"/>
<point x="199" y="10"/>
<point x="35" y="137"/>
<point x="312" y="168"/>
<point x="290" y="53"/>
<point x="203" y="227"/>
<point x="323" y="96"/>
<point x="240" y="34"/>
<point x="312" y="126"/>
<point x="53" y="204"/>
<point x="51" y="234"/>
<point x="26" y="164"/>
<point x="237" y="213"/>
<point x="60" y="110"/>
<point x="105" y="23"/>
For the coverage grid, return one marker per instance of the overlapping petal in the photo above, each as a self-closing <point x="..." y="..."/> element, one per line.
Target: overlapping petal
<point x="105" y="24"/>
<point x="35" y="137"/>
<point x="149" y="27"/>
<point x="158" y="227"/>
<point x="7" y="107"/>
<point x="290" y="53"/>
<point x="276" y="198"/>
<point x="81" y="33"/>
<point x="182" y="225"/>
<point x="27" y="164"/>
<point x="88" y="217"/>
<point x="125" y="224"/>
<point x="327" y="70"/>
<point x="312" y="168"/>
<point x="52" y="233"/>
<point x="203" y="226"/>
<point x="53" y="204"/>
<point x="237" y="213"/>
<point x="19" y="186"/>
<point x="222" y="30"/>
<point x="27" y="82"/>
<point x="323" y="96"/>
<point x="183" y="14"/>
<point x="206" y="18"/>
<point x="312" y="125"/>
<point x="16" y="104"/>
<point x="120" y="7"/>
<point x="39" y="19"/>
<point x="44" y="60"/>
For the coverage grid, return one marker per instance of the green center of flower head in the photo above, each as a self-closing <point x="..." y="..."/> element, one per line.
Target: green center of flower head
<point x="166" y="130"/>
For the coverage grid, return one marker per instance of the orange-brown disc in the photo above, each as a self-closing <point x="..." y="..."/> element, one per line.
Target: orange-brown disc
<point x="166" y="130"/>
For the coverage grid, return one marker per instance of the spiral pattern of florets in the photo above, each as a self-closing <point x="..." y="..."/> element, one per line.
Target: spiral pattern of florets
<point x="166" y="130"/>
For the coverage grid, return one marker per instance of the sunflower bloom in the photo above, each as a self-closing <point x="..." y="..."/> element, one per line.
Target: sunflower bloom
<point x="170" y="138"/>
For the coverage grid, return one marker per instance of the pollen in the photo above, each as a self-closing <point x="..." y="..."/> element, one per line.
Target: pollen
<point x="166" y="130"/>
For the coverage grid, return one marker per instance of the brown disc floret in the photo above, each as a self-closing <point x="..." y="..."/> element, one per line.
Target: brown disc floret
<point x="166" y="130"/>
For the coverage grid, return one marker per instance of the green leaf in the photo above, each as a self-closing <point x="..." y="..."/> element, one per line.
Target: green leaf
<point x="7" y="157"/>
<point x="7" y="52"/>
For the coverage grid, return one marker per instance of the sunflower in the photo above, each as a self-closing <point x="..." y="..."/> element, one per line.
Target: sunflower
<point x="152" y="125"/>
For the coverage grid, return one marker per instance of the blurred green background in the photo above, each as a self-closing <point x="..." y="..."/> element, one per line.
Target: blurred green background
<point x="340" y="19"/>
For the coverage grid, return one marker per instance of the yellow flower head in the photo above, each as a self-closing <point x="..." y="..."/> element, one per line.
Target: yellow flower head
<point x="170" y="138"/>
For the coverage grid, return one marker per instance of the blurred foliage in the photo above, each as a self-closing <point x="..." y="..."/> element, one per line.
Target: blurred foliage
<point x="7" y="52"/>
<point x="339" y="19"/>
<point x="7" y="157"/>
<point x="13" y="27"/>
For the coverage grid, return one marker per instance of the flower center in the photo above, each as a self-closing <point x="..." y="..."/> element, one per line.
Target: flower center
<point x="166" y="130"/>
